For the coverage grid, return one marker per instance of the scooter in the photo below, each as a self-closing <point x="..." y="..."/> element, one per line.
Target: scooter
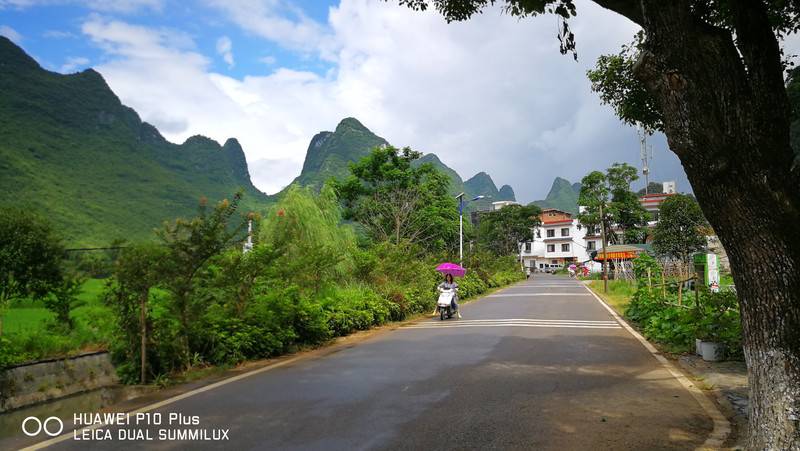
<point x="445" y="303"/>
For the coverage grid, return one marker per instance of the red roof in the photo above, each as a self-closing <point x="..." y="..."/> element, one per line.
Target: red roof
<point x="560" y="221"/>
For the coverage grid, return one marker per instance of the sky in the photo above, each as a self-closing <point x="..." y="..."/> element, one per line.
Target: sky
<point x="492" y="94"/>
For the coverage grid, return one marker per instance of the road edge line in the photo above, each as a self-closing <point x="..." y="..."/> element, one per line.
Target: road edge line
<point x="722" y="427"/>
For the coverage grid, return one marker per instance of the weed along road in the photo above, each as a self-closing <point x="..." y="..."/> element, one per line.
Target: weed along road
<point x="539" y="365"/>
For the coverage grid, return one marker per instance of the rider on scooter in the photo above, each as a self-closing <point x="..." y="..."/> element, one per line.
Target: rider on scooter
<point x="449" y="284"/>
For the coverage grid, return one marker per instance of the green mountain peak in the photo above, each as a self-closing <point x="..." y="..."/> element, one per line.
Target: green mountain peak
<point x="330" y="153"/>
<point x="72" y="151"/>
<point x="563" y="195"/>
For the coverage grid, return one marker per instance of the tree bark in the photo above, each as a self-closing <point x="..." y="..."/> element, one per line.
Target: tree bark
<point x="726" y="116"/>
<point x="143" y="325"/>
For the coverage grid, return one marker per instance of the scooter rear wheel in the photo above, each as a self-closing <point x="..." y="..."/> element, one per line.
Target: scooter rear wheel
<point x="441" y="314"/>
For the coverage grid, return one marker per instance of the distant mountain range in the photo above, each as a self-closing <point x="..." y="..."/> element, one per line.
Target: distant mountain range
<point x="330" y="153"/>
<point x="72" y="151"/>
<point x="563" y="195"/>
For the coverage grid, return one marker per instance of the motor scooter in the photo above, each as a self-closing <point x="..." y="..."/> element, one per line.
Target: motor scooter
<point x="445" y="303"/>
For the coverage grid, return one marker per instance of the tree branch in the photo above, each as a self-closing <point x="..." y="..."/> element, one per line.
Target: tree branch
<point x="631" y="9"/>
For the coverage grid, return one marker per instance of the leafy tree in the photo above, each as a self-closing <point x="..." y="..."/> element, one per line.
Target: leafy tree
<point x="500" y="231"/>
<point x="398" y="202"/>
<point x="678" y="233"/>
<point x="714" y="74"/>
<point x="628" y="214"/>
<point x="652" y="188"/>
<point x="308" y="234"/>
<point x="62" y="296"/>
<point x="30" y="257"/>
<point x="136" y="272"/>
<point x="621" y="207"/>
<point x="190" y="244"/>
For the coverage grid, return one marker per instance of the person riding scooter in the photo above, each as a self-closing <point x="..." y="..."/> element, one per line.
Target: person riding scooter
<point x="449" y="284"/>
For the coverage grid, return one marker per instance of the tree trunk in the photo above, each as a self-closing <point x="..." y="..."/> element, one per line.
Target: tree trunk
<point x="143" y="325"/>
<point x="726" y="116"/>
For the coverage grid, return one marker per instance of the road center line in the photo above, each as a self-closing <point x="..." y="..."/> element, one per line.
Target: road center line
<point x="551" y="325"/>
<point x="522" y="320"/>
<point x="535" y="294"/>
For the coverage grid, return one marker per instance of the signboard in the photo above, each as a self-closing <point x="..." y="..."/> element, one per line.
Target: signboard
<point x="707" y="268"/>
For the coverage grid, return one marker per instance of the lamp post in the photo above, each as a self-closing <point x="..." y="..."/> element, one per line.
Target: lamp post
<point x="460" y="198"/>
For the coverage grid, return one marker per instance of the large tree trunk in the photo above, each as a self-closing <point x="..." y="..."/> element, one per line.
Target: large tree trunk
<point x="726" y="116"/>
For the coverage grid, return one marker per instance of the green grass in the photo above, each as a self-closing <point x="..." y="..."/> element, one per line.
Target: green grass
<point x="619" y="293"/>
<point x="30" y="329"/>
<point x="20" y="319"/>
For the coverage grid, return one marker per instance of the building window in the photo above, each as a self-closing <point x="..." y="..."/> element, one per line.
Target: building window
<point x="565" y="232"/>
<point x="554" y="262"/>
<point x="551" y="233"/>
<point x="565" y="247"/>
<point x="590" y="245"/>
<point x="538" y="233"/>
<point x="528" y="247"/>
<point x="551" y="248"/>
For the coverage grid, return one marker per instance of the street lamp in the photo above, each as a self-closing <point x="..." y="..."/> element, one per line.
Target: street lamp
<point x="460" y="198"/>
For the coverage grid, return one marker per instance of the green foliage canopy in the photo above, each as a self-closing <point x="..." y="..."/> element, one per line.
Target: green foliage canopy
<point x="501" y="230"/>
<point x="678" y="233"/>
<point x="399" y="202"/>
<point x="30" y="257"/>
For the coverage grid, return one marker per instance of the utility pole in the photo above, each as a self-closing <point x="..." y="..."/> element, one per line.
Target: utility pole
<point x="460" y="198"/>
<point x="646" y="154"/>
<point x="248" y="245"/>
<point x="605" y="250"/>
<point x="461" y="230"/>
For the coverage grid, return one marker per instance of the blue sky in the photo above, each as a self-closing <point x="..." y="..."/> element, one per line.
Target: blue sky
<point x="492" y="94"/>
<point x="52" y="33"/>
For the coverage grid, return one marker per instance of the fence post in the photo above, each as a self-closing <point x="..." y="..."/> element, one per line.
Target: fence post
<point x="680" y="292"/>
<point x="649" y="282"/>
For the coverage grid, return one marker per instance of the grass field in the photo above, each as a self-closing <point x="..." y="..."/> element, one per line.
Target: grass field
<point x="29" y="328"/>
<point x="619" y="293"/>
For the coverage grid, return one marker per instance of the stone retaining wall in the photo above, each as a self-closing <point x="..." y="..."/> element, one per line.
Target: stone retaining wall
<point x="41" y="381"/>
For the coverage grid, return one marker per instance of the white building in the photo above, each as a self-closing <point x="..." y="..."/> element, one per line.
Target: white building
<point x="503" y="203"/>
<point x="559" y="240"/>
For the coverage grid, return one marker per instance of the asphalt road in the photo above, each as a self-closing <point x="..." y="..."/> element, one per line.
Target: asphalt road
<point x="539" y="365"/>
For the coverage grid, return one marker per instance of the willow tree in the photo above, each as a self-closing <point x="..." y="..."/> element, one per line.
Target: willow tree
<point x="712" y="76"/>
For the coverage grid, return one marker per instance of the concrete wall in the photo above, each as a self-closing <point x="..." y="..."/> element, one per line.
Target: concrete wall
<point x="32" y="383"/>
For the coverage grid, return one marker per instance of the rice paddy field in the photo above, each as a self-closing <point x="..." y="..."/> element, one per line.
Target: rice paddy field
<point x="32" y="334"/>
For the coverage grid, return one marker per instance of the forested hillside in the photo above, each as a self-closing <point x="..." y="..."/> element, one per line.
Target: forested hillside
<point x="70" y="150"/>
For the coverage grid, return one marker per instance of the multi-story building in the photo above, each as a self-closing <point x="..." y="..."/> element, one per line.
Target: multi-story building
<point x="559" y="240"/>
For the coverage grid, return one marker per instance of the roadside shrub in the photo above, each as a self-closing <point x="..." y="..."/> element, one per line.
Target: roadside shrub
<point x="713" y="317"/>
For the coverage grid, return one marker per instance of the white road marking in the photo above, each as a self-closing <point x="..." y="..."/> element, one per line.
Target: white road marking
<point x="516" y="322"/>
<point x="532" y="320"/>
<point x="535" y="294"/>
<point x="553" y="325"/>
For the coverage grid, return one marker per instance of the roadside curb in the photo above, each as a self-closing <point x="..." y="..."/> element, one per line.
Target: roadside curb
<point x="722" y="427"/>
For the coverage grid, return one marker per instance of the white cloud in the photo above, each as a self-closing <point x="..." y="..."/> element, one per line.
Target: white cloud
<point x="492" y="94"/>
<point x="225" y="49"/>
<point x="110" y="6"/>
<point x="276" y="20"/>
<point x="268" y="60"/>
<point x="72" y="63"/>
<point x="10" y="33"/>
<point x="58" y="34"/>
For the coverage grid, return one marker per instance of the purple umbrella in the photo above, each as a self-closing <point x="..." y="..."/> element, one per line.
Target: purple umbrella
<point x="452" y="269"/>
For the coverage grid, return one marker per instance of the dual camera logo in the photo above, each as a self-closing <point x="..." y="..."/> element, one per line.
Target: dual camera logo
<point x="51" y="426"/>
